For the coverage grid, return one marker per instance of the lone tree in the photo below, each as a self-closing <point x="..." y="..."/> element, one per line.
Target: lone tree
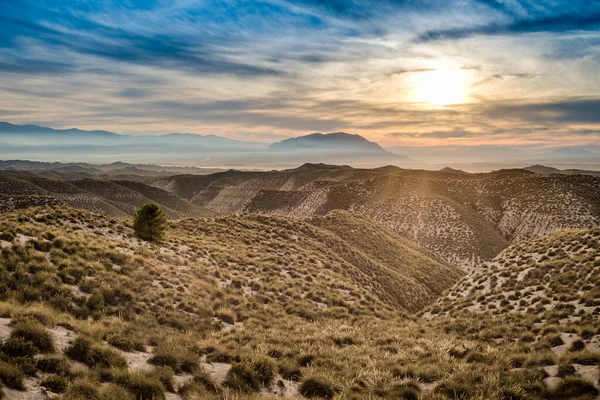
<point x="150" y="222"/>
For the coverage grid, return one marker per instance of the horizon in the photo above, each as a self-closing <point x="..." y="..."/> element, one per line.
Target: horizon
<point x="481" y="72"/>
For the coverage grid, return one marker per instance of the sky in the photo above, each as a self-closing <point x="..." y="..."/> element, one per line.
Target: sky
<point x="399" y="72"/>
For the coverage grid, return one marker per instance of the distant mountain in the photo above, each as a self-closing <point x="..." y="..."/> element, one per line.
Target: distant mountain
<point x="334" y="148"/>
<point x="544" y="170"/>
<point x="113" y="171"/>
<point x="37" y="135"/>
<point x="337" y="141"/>
<point x="75" y="145"/>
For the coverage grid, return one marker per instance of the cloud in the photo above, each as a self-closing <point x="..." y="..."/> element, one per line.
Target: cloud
<point x="557" y="23"/>
<point x="580" y="111"/>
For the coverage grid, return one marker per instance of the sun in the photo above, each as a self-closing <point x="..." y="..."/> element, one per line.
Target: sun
<point x="441" y="87"/>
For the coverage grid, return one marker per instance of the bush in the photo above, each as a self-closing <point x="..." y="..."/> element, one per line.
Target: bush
<point x="11" y="376"/>
<point x="572" y="387"/>
<point x="34" y="332"/>
<point x="150" y="223"/>
<point x="317" y="387"/>
<point x="55" y="383"/>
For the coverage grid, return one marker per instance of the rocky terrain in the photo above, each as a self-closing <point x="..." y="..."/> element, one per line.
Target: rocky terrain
<point x="461" y="218"/>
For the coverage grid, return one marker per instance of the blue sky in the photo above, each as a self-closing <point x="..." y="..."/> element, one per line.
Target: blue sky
<point x="396" y="71"/>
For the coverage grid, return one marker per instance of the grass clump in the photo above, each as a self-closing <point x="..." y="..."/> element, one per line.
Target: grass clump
<point x="11" y="376"/>
<point x="249" y="376"/>
<point x="54" y="365"/>
<point x="178" y="358"/>
<point x="574" y="388"/>
<point x="86" y="351"/>
<point x="34" y="332"/>
<point x="317" y="386"/>
<point x="55" y="383"/>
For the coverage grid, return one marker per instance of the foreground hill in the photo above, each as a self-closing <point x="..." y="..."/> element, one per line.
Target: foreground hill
<point x="253" y="307"/>
<point x="118" y="199"/>
<point x="556" y="277"/>
<point x="461" y="218"/>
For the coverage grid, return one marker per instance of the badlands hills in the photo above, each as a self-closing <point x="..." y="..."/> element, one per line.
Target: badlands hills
<point x="461" y="218"/>
<point x="317" y="282"/>
<point x="113" y="198"/>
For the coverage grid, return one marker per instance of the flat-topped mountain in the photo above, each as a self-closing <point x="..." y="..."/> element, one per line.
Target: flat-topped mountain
<point x="337" y="141"/>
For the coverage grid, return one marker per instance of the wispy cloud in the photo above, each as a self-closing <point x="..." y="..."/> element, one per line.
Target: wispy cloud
<point x="279" y="67"/>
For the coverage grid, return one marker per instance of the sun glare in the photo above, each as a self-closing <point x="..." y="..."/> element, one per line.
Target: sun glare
<point x="441" y="87"/>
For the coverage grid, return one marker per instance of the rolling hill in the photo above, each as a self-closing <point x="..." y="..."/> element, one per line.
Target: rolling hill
<point x="117" y="199"/>
<point x="263" y="307"/>
<point x="461" y="218"/>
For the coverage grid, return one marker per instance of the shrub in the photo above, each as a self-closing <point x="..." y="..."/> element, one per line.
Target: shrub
<point x="150" y="222"/>
<point x="11" y="376"/>
<point x="573" y="387"/>
<point x="55" y="383"/>
<point x="317" y="387"/>
<point x="34" y="332"/>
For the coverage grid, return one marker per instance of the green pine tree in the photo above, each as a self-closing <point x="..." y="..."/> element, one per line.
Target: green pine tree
<point x="150" y="222"/>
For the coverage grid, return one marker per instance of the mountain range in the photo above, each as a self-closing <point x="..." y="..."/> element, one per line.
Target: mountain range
<point x="210" y="151"/>
<point x="191" y="149"/>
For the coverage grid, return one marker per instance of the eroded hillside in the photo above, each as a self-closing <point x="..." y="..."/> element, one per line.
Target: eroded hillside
<point x="461" y="218"/>
<point x="113" y="198"/>
<point x="256" y="306"/>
